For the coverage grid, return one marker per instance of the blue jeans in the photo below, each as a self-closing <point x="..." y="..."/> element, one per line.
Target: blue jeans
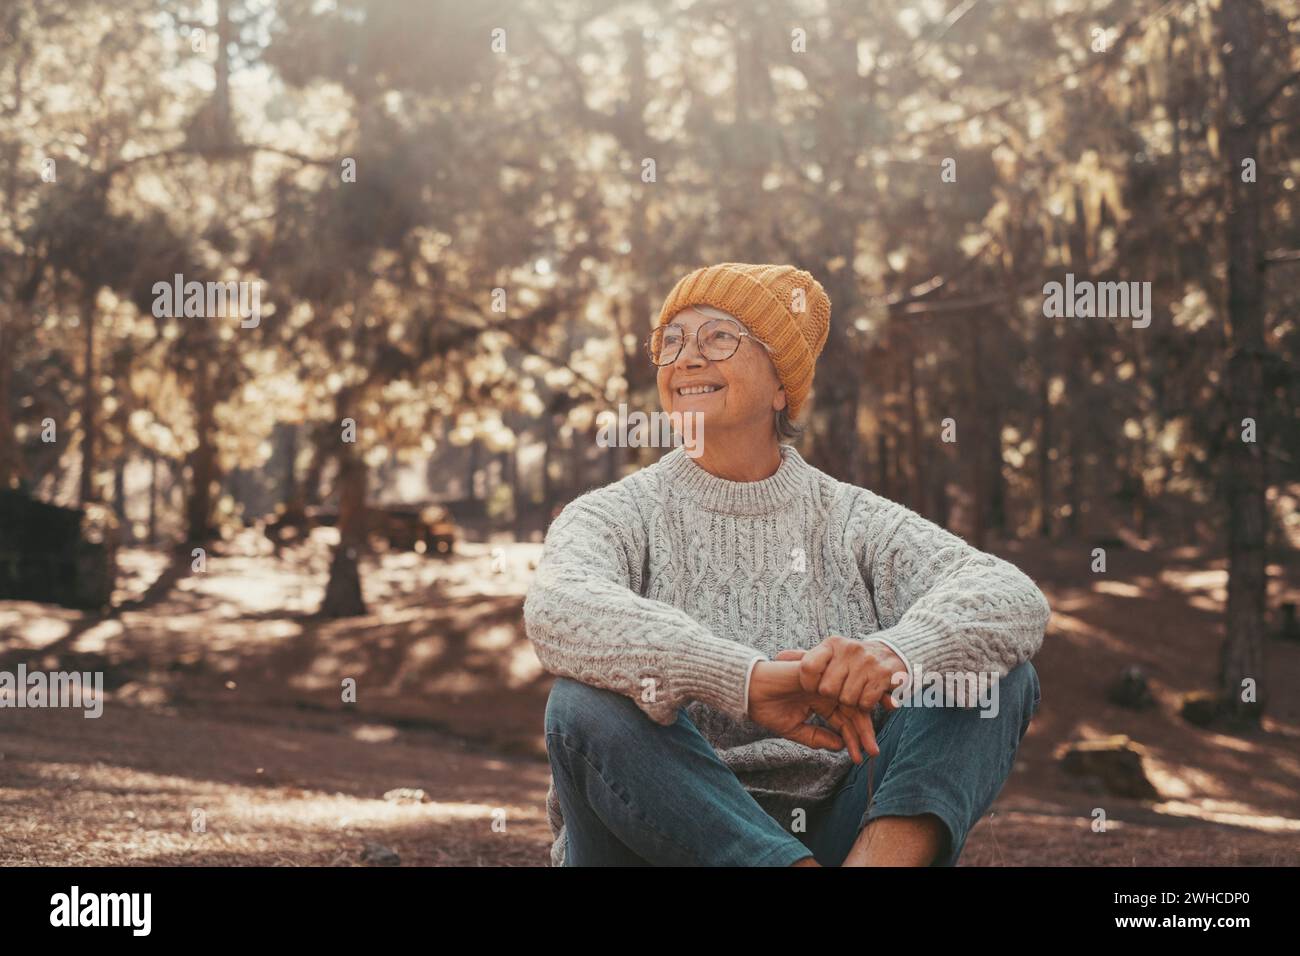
<point x="637" y="793"/>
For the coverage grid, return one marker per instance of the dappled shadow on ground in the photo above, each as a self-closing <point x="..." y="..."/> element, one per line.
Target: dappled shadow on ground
<point x="1160" y="610"/>
<point x="441" y="648"/>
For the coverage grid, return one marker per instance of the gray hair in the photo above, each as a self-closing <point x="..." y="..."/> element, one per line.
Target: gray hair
<point x="785" y="427"/>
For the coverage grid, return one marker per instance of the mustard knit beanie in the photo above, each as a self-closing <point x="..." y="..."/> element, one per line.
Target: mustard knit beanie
<point x="784" y="307"/>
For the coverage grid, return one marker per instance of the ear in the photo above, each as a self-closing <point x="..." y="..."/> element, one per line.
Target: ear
<point x="779" y="400"/>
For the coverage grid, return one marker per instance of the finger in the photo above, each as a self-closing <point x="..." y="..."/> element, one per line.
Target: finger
<point x="790" y="654"/>
<point x="866" y="731"/>
<point x="838" y="722"/>
<point x="832" y="683"/>
<point x="860" y="721"/>
<point x="810" y="735"/>
<point x="823" y="707"/>
<point x="842" y="721"/>
<point x="858" y="682"/>
<point x="892" y="694"/>
<point x="813" y="665"/>
<point x="875" y="691"/>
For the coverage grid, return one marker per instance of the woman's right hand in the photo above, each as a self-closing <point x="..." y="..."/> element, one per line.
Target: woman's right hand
<point x="778" y="702"/>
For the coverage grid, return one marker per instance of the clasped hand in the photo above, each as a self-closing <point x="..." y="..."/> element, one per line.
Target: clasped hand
<point x="841" y="680"/>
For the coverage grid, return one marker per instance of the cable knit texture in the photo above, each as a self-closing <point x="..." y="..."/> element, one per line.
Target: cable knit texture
<point x="667" y="585"/>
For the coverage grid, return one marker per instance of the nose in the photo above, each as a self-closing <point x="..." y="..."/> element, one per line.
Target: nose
<point x="690" y="355"/>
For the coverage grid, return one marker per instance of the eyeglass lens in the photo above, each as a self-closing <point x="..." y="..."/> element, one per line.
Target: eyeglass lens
<point x="717" y="339"/>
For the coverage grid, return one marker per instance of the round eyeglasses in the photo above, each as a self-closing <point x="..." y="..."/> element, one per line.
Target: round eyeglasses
<point x="717" y="340"/>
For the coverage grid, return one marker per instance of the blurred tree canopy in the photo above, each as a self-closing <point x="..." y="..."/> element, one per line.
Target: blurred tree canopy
<point x="464" y="217"/>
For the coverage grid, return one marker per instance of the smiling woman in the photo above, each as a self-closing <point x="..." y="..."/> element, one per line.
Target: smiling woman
<point x="729" y="630"/>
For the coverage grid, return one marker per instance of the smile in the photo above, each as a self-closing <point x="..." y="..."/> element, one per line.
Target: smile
<point x="699" y="389"/>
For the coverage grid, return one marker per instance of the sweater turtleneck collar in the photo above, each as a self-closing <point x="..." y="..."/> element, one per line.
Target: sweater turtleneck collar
<point x="712" y="493"/>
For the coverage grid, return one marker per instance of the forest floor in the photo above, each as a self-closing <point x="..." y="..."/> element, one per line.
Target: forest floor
<point x="224" y="740"/>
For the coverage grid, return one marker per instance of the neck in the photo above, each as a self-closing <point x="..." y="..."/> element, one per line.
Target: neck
<point x="739" y="457"/>
<point x="701" y="488"/>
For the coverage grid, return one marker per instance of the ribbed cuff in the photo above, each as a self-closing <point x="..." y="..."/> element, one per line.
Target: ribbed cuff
<point x="716" y="673"/>
<point x="903" y="688"/>
<point x="921" y="639"/>
<point x="749" y="676"/>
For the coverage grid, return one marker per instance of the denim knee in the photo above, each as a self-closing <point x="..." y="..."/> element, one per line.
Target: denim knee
<point x="579" y="710"/>
<point x="1020" y="687"/>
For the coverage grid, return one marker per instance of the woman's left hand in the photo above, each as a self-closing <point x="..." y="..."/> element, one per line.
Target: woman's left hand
<point x="856" y="673"/>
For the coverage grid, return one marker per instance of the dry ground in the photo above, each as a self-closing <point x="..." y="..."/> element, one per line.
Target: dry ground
<point x="224" y="739"/>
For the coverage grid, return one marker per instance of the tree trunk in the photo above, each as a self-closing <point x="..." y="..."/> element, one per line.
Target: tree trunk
<point x="884" y="378"/>
<point x="1242" y="658"/>
<point x="471" y="474"/>
<point x="10" y="458"/>
<point x="153" y="497"/>
<point x="203" y="461"/>
<point x="939" y="495"/>
<point x="992" y="458"/>
<point x="548" y="437"/>
<point x="324" y="438"/>
<point x="1076" y="402"/>
<point x="88" y="397"/>
<point x="343" y="596"/>
<point x="291" y="494"/>
<point x="838" y="396"/>
<point x="978" y="424"/>
<point x="225" y="129"/>
<point x="882" y="460"/>
<point x="119" y="492"/>
<point x="1046" y="434"/>
<point x="518" y="504"/>
<point x="919" y="487"/>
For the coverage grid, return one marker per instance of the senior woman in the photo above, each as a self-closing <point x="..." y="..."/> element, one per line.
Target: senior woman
<point x="731" y="631"/>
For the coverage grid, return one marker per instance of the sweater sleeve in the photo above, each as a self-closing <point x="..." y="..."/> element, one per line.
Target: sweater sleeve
<point x="945" y="604"/>
<point x="586" y="620"/>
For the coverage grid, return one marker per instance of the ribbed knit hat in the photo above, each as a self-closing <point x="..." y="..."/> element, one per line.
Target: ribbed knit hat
<point x="784" y="307"/>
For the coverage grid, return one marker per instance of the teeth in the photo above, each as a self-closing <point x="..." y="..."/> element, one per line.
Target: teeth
<point x="698" y="389"/>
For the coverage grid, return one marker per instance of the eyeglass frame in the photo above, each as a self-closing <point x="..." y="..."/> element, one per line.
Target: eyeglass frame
<point x="743" y="333"/>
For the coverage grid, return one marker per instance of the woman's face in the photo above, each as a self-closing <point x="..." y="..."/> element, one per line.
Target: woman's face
<point x="747" y="389"/>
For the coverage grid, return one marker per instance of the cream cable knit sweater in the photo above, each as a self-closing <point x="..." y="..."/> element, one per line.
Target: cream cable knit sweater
<point x="668" y="585"/>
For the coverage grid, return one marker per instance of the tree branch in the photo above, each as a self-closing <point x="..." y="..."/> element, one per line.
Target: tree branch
<point x="178" y="151"/>
<point x="1264" y="101"/>
<point x="1280" y="256"/>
